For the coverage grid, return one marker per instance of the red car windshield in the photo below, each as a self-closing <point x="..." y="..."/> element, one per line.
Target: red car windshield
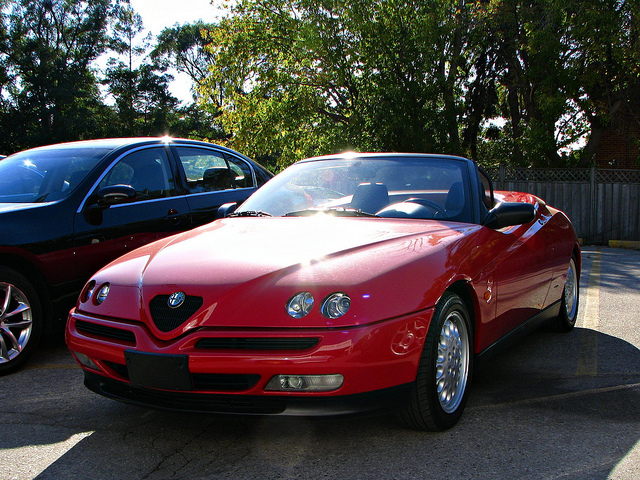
<point x="417" y="187"/>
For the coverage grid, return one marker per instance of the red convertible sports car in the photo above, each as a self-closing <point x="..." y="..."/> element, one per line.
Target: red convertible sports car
<point x="348" y="283"/>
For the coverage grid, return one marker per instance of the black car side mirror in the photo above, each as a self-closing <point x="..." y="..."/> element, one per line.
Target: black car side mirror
<point x="508" y="214"/>
<point x="106" y="197"/>
<point x="226" y="209"/>
<point x="115" y="195"/>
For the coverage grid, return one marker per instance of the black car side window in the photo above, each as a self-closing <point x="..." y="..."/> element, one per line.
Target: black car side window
<point x="206" y="170"/>
<point x="147" y="171"/>
<point x="241" y="173"/>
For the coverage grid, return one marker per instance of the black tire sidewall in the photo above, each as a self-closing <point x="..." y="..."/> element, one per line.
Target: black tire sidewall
<point x="563" y="323"/>
<point x="443" y="419"/>
<point x="8" y="275"/>
<point x="423" y="410"/>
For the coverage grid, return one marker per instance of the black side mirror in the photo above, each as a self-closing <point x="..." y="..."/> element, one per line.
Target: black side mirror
<point x="115" y="195"/>
<point x="226" y="209"/>
<point x="508" y="214"/>
<point x="106" y="197"/>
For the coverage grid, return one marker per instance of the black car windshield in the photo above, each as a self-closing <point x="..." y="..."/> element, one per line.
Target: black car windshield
<point x="45" y="174"/>
<point x="392" y="186"/>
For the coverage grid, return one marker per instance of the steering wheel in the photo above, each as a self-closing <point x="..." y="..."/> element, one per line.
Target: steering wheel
<point x="439" y="211"/>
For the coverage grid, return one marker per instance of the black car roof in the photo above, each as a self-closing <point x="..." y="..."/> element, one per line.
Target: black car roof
<point x="115" y="143"/>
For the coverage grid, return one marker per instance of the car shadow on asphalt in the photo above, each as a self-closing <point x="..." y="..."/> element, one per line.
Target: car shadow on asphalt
<point x="527" y="408"/>
<point x="546" y="364"/>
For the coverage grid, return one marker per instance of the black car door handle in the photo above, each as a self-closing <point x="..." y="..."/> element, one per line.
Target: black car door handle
<point x="174" y="216"/>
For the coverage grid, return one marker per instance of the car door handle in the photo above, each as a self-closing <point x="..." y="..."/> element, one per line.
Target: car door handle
<point x="175" y="217"/>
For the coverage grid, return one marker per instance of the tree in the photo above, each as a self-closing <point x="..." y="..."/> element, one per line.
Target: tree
<point x="562" y="70"/>
<point x="143" y="102"/>
<point x="603" y="54"/>
<point x="51" y="92"/>
<point x="184" y="48"/>
<point x="120" y="76"/>
<point x="524" y="49"/>
<point x="300" y="77"/>
<point x="517" y="81"/>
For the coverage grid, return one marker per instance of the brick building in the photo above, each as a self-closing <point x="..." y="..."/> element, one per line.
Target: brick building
<point x="620" y="143"/>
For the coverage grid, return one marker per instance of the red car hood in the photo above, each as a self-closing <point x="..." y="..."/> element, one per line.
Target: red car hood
<point x="236" y="251"/>
<point x="247" y="268"/>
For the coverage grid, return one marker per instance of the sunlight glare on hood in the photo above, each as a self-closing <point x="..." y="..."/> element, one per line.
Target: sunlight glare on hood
<point x="320" y="218"/>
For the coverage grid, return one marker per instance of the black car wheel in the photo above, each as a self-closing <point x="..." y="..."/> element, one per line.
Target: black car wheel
<point x="439" y="393"/>
<point x="566" y="320"/>
<point x="20" y="320"/>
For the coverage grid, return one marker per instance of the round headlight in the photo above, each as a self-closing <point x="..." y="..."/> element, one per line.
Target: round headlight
<point x="336" y="305"/>
<point x="88" y="291"/>
<point x="300" y="304"/>
<point x="102" y="293"/>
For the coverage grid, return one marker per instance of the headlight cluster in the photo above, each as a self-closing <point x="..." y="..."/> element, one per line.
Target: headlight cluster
<point x="333" y="306"/>
<point x="336" y="305"/>
<point x="89" y="292"/>
<point x="300" y="304"/>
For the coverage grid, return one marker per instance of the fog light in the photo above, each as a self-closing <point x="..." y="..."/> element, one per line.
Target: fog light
<point x="85" y="361"/>
<point x="305" y="383"/>
<point x="294" y="383"/>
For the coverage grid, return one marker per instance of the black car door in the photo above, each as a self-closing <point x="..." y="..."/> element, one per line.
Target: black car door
<point x="103" y="233"/>
<point x="212" y="178"/>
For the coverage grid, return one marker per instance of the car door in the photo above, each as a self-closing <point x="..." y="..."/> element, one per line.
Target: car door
<point x="519" y="276"/>
<point x="103" y="233"/>
<point x="212" y="178"/>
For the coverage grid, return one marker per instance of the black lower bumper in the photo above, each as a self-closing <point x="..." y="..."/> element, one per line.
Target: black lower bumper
<point x="381" y="400"/>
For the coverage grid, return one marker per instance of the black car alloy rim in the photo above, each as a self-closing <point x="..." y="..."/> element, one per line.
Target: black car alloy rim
<point x="16" y="322"/>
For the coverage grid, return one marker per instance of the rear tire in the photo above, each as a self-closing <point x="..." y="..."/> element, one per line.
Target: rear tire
<point x="20" y="320"/>
<point x="439" y="393"/>
<point x="566" y="319"/>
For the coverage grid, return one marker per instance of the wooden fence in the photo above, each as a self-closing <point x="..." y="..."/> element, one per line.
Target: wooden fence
<point x="603" y="204"/>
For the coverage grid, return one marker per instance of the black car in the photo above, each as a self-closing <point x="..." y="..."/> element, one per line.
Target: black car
<point x="67" y="210"/>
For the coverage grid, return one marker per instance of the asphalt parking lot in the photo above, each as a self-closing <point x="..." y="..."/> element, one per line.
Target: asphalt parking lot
<point x="555" y="406"/>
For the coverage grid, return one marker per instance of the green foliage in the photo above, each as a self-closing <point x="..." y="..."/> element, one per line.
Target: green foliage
<point x="183" y="47"/>
<point x="295" y="77"/>
<point x="50" y="88"/>
<point x="301" y="77"/>
<point x="47" y="50"/>
<point x="525" y="82"/>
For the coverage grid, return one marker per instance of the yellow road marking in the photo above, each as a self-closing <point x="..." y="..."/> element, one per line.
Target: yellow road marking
<point x="588" y="354"/>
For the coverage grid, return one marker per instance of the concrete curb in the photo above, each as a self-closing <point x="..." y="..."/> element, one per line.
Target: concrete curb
<point x="635" y="245"/>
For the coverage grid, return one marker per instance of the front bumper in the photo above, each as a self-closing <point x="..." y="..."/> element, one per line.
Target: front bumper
<point x="293" y="405"/>
<point x="228" y="370"/>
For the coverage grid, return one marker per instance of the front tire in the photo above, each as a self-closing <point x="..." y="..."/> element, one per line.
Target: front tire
<point x="20" y="320"/>
<point x="439" y="393"/>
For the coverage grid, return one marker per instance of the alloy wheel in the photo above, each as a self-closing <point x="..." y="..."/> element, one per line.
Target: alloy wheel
<point x="16" y="322"/>
<point x="452" y="362"/>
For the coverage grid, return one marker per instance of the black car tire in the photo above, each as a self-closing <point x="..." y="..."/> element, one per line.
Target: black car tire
<point x="566" y="319"/>
<point x="447" y="357"/>
<point x="20" y="320"/>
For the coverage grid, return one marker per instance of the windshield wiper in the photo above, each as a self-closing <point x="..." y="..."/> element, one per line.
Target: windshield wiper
<point x="249" y="213"/>
<point x="335" y="211"/>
